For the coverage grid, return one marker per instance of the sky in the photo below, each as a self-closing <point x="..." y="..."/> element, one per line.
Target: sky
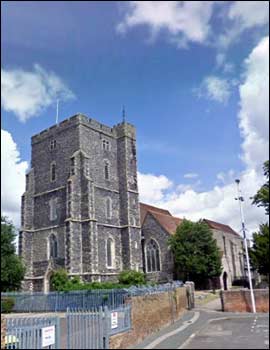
<point x="193" y="77"/>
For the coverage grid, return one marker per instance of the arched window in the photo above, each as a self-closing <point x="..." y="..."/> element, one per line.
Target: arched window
<point x="108" y="208"/>
<point x="53" y="171"/>
<point x="53" y="246"/>
<point x="106" y="170"/>
<point x="110" y="252"/>
<point x="152" y="256"/>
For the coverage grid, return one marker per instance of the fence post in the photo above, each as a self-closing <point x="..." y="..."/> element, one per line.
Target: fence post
<point x="190" y="294"/>
<point x="106" y="327"/>
<point x="58" y="333"/>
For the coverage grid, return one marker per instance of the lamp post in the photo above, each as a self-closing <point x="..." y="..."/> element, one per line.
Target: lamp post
<point x="241" y="199"/>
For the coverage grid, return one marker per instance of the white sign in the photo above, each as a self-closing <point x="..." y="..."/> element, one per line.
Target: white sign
<point x="48" y="336"/>
<point x="114" y="320"/>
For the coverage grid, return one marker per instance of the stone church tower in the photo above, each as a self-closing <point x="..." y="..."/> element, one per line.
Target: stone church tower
<point x="80" y="209"/>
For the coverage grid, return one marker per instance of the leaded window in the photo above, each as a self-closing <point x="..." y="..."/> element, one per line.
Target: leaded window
<point x="152" y="256"/>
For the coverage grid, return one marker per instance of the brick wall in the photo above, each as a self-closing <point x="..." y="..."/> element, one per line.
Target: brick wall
<point x="149" y="314"/>
<point x="240" y="301"/>
<point x="3" y="331"/>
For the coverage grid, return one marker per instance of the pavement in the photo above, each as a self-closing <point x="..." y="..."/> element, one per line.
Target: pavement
<point x="206" y="328"/>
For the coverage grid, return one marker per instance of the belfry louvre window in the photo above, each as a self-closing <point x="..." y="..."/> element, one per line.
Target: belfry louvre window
<point x="152" y="257"/>
<point x="53" y="172"/>
<point x="106" y="170"/>
<point x="52" y="145"/>
<point x="105" y="145"/>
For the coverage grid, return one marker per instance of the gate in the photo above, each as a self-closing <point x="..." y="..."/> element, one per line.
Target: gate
<point x="32" y="333"/>
<point x="91" y="329"/>
<point x="86" y="329"/>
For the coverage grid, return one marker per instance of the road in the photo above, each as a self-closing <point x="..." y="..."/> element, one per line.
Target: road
<point x="205" y="328"/>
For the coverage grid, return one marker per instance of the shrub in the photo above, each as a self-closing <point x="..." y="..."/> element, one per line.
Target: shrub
<point x="59" y="280"/>
<point x="131" y="277"/>
<point x="7" y="304"/>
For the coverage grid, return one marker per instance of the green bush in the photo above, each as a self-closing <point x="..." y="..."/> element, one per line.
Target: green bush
<point x="60" y="281"/>
<point x="131" y="277"/>
<point x="7" y="304"/>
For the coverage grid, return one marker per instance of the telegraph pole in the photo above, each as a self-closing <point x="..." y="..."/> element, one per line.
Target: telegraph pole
<point x="241" y="199"/>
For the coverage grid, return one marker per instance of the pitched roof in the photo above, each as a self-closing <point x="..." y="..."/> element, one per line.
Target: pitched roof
<point x="145" y="208"/>
<point x="220" y="227"/>
<point x="164" y="217"/>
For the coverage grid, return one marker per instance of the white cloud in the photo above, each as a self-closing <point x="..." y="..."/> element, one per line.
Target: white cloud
<point x="248" y="14"/>
<point x="12" y="178"/>
<point x="215" y="89"/>
<point x="190" y="176"/>
<point x="219" y="204"/>
<point x="152" y="188"/>
<point x="27" y="93"/>
<point x="254" y="103"/>
<point x="184" y="20"/>
<point x="241" y="16"/>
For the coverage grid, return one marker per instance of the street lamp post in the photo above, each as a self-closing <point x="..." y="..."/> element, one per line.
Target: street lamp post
<point x="241" y="199"/>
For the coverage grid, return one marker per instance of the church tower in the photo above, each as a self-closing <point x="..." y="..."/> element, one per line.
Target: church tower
<point x="80" y="209"/>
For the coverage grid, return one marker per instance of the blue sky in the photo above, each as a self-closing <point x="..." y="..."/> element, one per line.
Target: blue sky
<point x="162" y="66"/>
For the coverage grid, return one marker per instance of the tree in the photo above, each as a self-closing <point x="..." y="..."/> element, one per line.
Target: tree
<point x="259" y="253"/>
<point x="12" y="268"/>
<point x="261" y="199"/>
<point x="195" y="251"/>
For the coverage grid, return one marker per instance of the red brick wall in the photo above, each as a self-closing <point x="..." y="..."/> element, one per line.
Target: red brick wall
<point x="3" y="331"/>
<point x="240" y="301"/>
<point x="149" y="314"/>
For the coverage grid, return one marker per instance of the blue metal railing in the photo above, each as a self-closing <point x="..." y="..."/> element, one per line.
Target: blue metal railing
<point x="83" y="299"/>
<point x="60" y="301"/>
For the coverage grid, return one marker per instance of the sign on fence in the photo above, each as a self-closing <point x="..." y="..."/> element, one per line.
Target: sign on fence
<point x="48" y="336"/>
<point x="114" y="319"/>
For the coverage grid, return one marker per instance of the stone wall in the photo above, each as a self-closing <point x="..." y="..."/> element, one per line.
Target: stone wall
<point x="231" y="247"/>
<point x="240" y="300"/>
<point x="3" y="331"/>
<point x="151" y="229"/>
<point x="149" y="314"/>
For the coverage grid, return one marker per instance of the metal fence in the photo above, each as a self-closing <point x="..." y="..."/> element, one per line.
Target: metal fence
<point x="91" y="329"/>
<point x="118" y="320"/>
<point x="60" y="301"/>
<point x="33" y="333"/>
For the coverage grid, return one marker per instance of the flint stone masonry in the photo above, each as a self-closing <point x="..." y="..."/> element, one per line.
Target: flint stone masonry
<point x="152" y="230"/>
<point x="72" y="207"/>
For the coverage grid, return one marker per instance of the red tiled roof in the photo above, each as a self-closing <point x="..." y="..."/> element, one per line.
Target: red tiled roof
<point x="145" y="208"/>
<point x="221" y="227"/>
<point x="164" y="217"/>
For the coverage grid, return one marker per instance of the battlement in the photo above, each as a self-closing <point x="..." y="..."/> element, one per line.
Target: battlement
<point x="117" y="130"/>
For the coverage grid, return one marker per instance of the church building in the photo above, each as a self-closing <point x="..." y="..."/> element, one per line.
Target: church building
<point x="81" y="211"/>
